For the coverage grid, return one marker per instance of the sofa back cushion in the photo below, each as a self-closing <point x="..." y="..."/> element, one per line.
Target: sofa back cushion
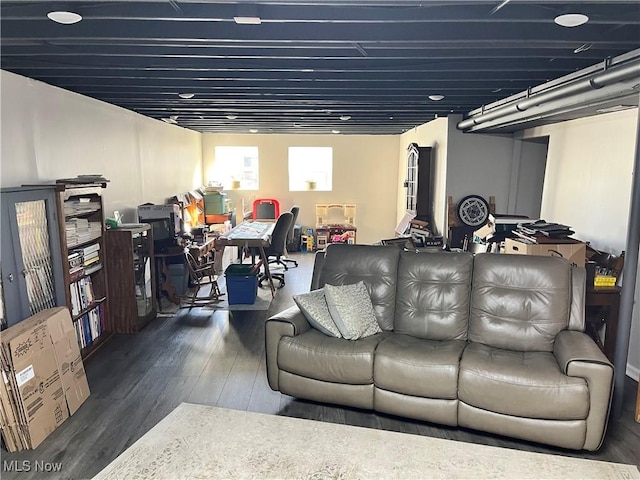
<point x="376" y="266"/>
<point x="432" y="299"/>
<point x="519" y="302"/>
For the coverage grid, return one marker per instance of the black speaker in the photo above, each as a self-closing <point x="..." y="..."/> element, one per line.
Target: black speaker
<point x="294" y="244"/>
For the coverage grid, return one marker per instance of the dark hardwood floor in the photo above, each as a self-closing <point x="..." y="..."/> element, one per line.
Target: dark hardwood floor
<point x="216" y="358"/>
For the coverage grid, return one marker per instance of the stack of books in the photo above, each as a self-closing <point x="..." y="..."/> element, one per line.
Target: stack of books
<point x="542" y="232"/>
<point x="81" y="230"/>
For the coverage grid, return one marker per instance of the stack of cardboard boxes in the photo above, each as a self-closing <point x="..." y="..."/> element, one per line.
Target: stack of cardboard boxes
<point x="43" y="378"/>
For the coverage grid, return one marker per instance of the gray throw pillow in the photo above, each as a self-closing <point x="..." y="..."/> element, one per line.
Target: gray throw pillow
<point x="352" y="311"/>
<point x="314" y="308"/>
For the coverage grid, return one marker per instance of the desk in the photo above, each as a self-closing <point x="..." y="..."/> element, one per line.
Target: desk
<point x="606" y="297"/>
<point x="247" y="235"/>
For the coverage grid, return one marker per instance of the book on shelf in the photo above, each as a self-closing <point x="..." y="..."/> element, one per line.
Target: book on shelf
<point x="90" y="261"/>
<point x="90" y="326"/>
<point x="82" y="295"/>
<point x="94" y="267"/>
<point x="93" y="248"/>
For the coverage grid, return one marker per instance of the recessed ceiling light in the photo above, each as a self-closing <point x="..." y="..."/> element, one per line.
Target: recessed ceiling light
<point x="571" y="19"/>
<point x="64" y="17"/>
<point x="390" y="118"/>
<point x="436" y="98"/>
<point x="253" y="130"/>
<point x="335" y="131"/>
<point x="186" y="95"/>
<point x="232" y="116"/>
<point x="169" y="120"/>
<point x="344" y="118"/>
<point x="297" y="125"/>
<point x="497" y="90"/>
<point x="307" y="70"/>
<point x="247" y="20"/>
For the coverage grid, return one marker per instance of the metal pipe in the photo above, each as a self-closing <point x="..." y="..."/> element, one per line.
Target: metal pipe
<point x="597" y="81"/>
<point x="628" y="285"/>
<point x="560" y="106"/>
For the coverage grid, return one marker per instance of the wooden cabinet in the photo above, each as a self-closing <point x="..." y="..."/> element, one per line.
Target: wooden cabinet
<point x="81" y="214"/>
<point x="131" y="268"/>
<point x="32" y="266"/>
<point x="418" y="182"/>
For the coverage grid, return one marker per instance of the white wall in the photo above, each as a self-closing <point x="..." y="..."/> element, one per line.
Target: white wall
<point x="365" y="172"/>
<point x="433" y="134"/>
<point x="530" y="178"/>
<point x="588" y="186"/>
<point x="479" y="164"/>
<point x="588" y="176"/>
<point x="49" y="133"/>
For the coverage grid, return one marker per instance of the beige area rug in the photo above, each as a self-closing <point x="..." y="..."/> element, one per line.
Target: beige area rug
<point x="263" y="301"/>
<point x="198" y="441"/>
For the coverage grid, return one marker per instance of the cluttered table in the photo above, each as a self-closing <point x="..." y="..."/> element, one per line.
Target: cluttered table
<point x="251" y="235"/>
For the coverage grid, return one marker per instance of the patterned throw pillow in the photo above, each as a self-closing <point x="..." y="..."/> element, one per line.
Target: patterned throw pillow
<point x="314" y="308"/>
<point x="352" y="311"/>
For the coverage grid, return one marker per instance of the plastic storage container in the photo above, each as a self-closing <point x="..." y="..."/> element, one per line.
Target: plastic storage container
<point x="179" y="277"/>
<point x="242" y="284"/>
<point x="214" y="203"/>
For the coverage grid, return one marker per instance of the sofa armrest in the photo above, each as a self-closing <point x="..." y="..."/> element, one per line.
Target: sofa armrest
<point x="579" y="356"/>
<point x="289" y="323"/>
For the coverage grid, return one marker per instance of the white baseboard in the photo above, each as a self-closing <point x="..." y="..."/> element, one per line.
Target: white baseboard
<point x="633" y="372"/>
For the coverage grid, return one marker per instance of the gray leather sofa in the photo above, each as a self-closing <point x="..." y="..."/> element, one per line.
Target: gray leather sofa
<point x="491" y="342"/>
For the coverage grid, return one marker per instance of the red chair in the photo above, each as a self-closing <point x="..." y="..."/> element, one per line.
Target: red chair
<point x="266" y="209"/>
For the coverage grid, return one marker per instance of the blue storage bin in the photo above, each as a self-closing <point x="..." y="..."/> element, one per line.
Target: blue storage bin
<point x="242" y="284"/>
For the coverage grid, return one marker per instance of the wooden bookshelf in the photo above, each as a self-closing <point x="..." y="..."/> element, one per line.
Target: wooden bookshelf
<point x="81" y="225"/>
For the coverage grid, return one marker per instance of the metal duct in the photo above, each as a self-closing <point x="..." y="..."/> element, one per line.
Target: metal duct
<point x="560" y="107"/>
<point x="611" y="76"/>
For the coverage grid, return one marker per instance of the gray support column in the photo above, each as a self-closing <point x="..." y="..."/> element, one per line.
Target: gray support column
<point x="629" y="283"/>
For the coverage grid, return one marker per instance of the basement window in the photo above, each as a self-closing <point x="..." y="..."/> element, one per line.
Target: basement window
<point x="310" y="168"/>
<point x="235" y="167"/>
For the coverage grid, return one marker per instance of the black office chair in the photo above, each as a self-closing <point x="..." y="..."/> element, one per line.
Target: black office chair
<point x="295" y="209"/>
<point x="277" y="248"/>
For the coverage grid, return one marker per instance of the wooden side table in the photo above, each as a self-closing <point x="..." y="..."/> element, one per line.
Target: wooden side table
<point x="606" y="297"/>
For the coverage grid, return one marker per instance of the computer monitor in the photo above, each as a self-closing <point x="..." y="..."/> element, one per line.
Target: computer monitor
<point x="163" y="232"/>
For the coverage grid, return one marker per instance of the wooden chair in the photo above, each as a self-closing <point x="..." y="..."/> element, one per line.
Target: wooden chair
<point x="201" y="275"/>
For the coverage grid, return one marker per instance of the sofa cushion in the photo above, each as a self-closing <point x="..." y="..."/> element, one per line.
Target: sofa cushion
<point x="351" y="310"/>
<point x="414" y="366"/>
<point x="315" y="355"/>
<point x="524" y="384"/>
<point x="313" y="306"/>
<point x="432" y="299"/>
<point x="519" y="302"/>
<point x="376" y="266"/>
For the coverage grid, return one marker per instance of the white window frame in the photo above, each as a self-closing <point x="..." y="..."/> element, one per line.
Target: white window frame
<point x="310" y="168"/>
<point x="234" y="164"/>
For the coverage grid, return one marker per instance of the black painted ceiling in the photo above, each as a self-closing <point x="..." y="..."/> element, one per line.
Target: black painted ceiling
<point x="309" y="62"/>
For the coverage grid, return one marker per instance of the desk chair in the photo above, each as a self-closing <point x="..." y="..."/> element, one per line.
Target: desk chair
<point x="266" y="209"/>
<point x="277" y="247"/>
<point x="201" y="274"/>
<point x="295" y="209"/>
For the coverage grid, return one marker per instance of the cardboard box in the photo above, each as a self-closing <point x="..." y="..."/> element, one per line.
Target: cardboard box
<point x="68" y="358"/>
<point x="41" y="405"/>
<point x="574" y="251"/>
<point x="43" y="378"/>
